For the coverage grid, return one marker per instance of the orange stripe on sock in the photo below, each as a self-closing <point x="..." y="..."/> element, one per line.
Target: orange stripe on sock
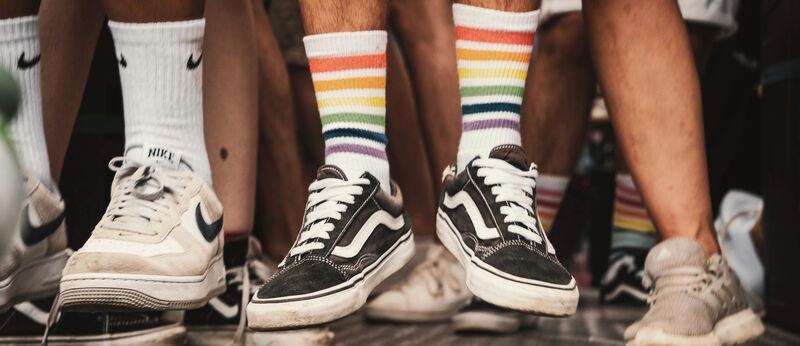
<point x="493" y="36"/>
<point x="486" y="55"/>
<point x="340" y="63"/>
<point x="351" y="83"/>
<point x="629" y="212"/>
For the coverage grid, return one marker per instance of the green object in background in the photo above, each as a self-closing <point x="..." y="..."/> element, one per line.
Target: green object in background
<point x="9" y="101"/>
<point x="9" y="95"/>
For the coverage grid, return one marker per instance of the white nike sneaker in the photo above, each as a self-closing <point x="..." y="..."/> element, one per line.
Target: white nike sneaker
<point x="158" y="246"/>
<point x="38" y="251"/>
<point x="434" y="290"/>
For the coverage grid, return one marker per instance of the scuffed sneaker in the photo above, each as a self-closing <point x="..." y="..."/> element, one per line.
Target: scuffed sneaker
<point x="434" y="290"/>
<point x="693" y="300"/>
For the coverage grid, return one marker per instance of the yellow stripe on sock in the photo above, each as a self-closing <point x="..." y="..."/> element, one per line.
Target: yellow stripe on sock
<point x="634" y="225"/>
<point x="492" y="73"/>
<point x="352" y="101"/>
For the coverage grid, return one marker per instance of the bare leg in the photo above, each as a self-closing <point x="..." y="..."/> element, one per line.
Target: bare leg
<point x="148" y="11"/>
<point x="230" y="109"/>
<point x="430" y="54"/>
<point x="656" y="107"/>
<point x="69" y="31"/>
<point x="323" y="16"/>
<point x="407" y="146"/>
<point x="558" y="96"/>
<point x="279" y="166"/>
<point x="19" y="8"/>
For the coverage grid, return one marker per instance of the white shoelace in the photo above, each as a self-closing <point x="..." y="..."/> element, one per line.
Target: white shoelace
<point x="145" y="195"/>
<point x="328" y="199"/>
<point x="515" y="187"/>
<point x="242" y="274"/>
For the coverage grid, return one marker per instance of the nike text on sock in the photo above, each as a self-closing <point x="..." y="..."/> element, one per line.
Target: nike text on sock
<point x="549" y="193"/>
<point x="160" y="67"/>
<point x="20" y="55"/>
<point x="632" y="226"/>
<point x="349" y="74"/>
<point x="493" y="50"/>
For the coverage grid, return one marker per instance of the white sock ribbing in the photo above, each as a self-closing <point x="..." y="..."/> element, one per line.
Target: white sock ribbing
<point x="19" y="54"/>
<point x="161" y="77"/>
<point x="493" y="50"/>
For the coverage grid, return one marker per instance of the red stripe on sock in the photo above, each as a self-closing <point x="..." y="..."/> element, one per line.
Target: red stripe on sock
<point x="340" y="63"/>
<point x="493" y="36"/>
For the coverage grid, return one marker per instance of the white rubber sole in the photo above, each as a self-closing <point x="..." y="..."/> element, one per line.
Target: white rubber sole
<point x="291" y="312"/>
<point x="223" y="336"/>
<point x="397" y="315"/>
<point x="173" y="334"/>
<point x="109" y="291"/>
<point x="505" y="290"/>
<point x="735" y="329"/>
<point x="34" y="280"/>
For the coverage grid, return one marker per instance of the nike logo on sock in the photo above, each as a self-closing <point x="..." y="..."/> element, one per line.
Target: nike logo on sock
<point x="209" y="230"/>
<point x="26" y="64"/>
<point x="122" y="61"/>
<point x="33" y="234"/>
<point x="191" y="64"/>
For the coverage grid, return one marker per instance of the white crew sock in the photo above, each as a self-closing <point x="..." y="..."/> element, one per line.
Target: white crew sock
<point x="19" y="54"/>
<point x="493" y="49"/>
<point x="162" y="91"/>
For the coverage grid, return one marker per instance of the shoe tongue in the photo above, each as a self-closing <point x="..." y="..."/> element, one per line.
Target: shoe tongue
<point x="513" y="154"/>
<point x="156" y="155"/>
<point x="330" y="172"/>
<point x="673" y="253"/>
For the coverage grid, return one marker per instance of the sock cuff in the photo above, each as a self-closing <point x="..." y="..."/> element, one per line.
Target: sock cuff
<point x="345" y="43"/>
<point x="552" y="182"/>
<point x="626" y="180"/>
<point x="484" y="18"/>
<point x="155" y="33"/>
<point x="19" y="28"/>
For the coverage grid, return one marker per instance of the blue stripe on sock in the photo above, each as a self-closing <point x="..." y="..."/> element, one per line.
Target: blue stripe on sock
<point x="353" y="132"/>
<point x="490" y="107"/>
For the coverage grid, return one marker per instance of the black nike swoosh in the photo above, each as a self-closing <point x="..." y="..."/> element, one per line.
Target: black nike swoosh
<point x="191" y="64"/>
<point x="26" y="64"/>
<point x="122" y="61"/>
<point x="32" y="235"/>
<point x="209" y="230"/>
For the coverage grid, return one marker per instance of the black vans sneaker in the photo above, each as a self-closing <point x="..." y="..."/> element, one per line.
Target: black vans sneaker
<point x="487" y="218"/>
<point x="222" y="320"/>
<point x="354" y="236"/>
<point x="622" y="282"/>
<point x="25" y="323"/>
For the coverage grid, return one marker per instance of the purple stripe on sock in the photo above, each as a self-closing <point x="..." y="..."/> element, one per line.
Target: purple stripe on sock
<point x="357" y="149"/>
<point x="491" y="124"/>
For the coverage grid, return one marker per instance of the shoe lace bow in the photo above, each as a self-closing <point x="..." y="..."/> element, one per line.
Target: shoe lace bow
<point x="514" y="187"/>
<point x="145" y="194"/>
<point x="328" y="199"/>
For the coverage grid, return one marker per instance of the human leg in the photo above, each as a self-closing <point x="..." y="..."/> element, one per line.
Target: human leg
<point x="355" y="232"/>
<point x="660" y="133"/>
<point x="161" y="200"/>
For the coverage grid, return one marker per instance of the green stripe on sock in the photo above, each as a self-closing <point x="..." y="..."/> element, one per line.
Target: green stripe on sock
<point x="492" y="90"/>
<point x="624" y="237"/>
<point x="354" y="118"/>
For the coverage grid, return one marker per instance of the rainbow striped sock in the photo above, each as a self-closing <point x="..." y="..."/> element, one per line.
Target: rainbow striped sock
<point x="549" y="193"/>
<point x="632" y="226"/>
<point x="493" y="50"/>
<point x="349" y="74"/>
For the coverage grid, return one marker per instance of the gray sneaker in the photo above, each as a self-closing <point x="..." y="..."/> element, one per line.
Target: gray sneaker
<point x="693" y="300"/>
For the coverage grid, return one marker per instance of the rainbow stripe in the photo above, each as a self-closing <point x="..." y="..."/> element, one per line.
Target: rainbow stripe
<point x="632" y="226"/>
<point x="492" y="67"/>
<point x="352" y="103"/>
<point x="549" y="194"/>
